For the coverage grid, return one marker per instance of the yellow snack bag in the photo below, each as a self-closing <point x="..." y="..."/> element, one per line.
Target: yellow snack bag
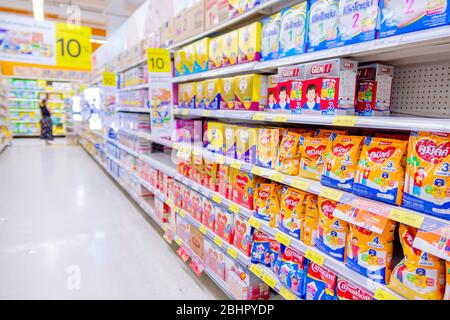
<point x="419" y="275"/>
<point x="312" y="151"/>
<point x="311" y="225"/>
<point x="340" y="162"/>
<point x="267" y="206"/>
<point x="380" y="174"/>
<point x="292" y="211"/>
<point x="288" y="156"/>
<point x="267" y="147"/>
<point x="369" y="253"/>
<point x="427" y="178"/>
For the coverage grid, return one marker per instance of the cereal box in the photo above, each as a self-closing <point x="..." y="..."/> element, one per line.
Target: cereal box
<point x="215" y="52"/>
<point x="227" y="93"/>
<point x="201" y="55"/>
<point x="249" y="44"/>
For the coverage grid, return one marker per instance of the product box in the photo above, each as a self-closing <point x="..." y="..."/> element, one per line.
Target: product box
<point x="215" y="137"/>
<point x="216" y="52"/>
<point x="290" y="89"/>
<point x="196" y="206"/>
<point x="374" y="90"/>
<point x="227" y="93"/>
<point x="243" y="187"/>
<point x="272" y="92"/>
<point x="250" y="92"/>
<point x="323" y="22"/>
<point x="267" y="147"/>
<point x="246" y="141"/>
<point x="201" y="55"/>
<point x="208" y="214"/>
<point x="190" y="22"/>
<point x="236" y="7"/>
<point x="230" y="42"/>
<point x="243" y="237"/>
<point x="293" y="30"/>
<point x="189" y="95"/>
<point x="216" y="12"/>
<point x="200" y="95"/>
<point x="209" y="178"/>
<point x="330" y="87"/>
<point x="166" y="32"/>
<point x="178" y="57"/>
<point x="397" y="17"/>
<point x="183" y="229"/>
<point x="224" y="224"/>
<point x="189" y="59"/>
<point x="249" y="43"/>
<point x="230" y="140"/>
<point x="270" y="37"/>
<point x="213" y="94"/>
<point x="357" y="21"/>
<point x="214" y="259"/>
<point x="197" y="242"/>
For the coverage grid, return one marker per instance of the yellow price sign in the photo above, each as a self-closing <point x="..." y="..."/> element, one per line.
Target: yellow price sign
<point x="202" y="229"/>
<point x="345" y="121"/>
<point x="285" y="293"/>
<point x="271" y="282"/>
<point x="218" y="241"/>
<point x="232" y="252"/>
<point x="332" y="194"/>
<point x="236" y="164"/>
<point x="257" y="171"/>
<point x="178" y="241"/>
<point x="259" y="116"/>
<point x="256" y="270"/>
<point x="185" y="112"/>
<point x="182" y="213"/>
<point x="206" y="113"/>
<point x="283" y="238"/>
<point x="281" y="118"/>
<point x="233" y="208"/>
<point x="406" y="217"/>
<point x="158" y="60"/>
<point x="73" y="46"/>
<point x="299" y="184"/>
<point x="169" y="202"/>
<point x="255" y="223"/>
<point x="109" y="79"/>
<point x="381" y="294"/>
<point x="277" y="177"/>
<point x="217" y="198"/>
<point x="315" y="257"/>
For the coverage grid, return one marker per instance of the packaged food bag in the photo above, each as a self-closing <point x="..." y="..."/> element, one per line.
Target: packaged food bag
<point x="292" y="271"/>
<point x="267" y="147"/>
<point x="267" y="206"/>
<point x="346" y="290"/>
<point x="320" y="283"/>
<point x="260" y="252"/>
<point x="312" y="151"/>
<point x="311" y="224"/>
<point x="292" y="211"/>
<point x="288" y="156"/>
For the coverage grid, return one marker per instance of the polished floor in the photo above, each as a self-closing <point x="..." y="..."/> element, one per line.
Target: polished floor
<point x="68" y="232"/>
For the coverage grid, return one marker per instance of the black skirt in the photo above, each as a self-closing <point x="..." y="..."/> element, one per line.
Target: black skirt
<point x="46" y="128"/>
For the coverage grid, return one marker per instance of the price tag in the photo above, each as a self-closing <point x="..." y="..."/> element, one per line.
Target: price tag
<point x="315" y="257"/>
<point x="332" y="194"/>
<point x="233" y="208"/>
<point x="158" y="60"/>
<point x="202" y="229"/>
<point x="217" y="198"/>
<point x="255" y="223"/>
<point x="283" y="238"/>
<point x="302" y="185"/>
<point x="236" y="164"/>
<point x="169" y="202"/>
<point x="220" y="158"/>
<point x="259" y="116"/>
<point x="218" y="241"/>
<point x="179" y="241"/>
<point x="285" y="293"/>
<point x="73" y="46"/>
<point x="233" y="253"/>
<point x="256" y="270"/>
<point x="185" y="112"/>
<point x="281" y="118"/>
<point x="406" y="217"/>
<point x="182" y="213"/>
<point x="271" y="282"/>
<point x="257" y="171"/>
<point x="277" y="177"/>
<point x="109" y="79"/>
<point x="381" y="294"/>
<point x="345" y="121"/>
<point x="206" y="113"/>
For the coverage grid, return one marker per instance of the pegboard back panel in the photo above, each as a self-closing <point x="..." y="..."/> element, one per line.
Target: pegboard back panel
<point x="422" y="90"/>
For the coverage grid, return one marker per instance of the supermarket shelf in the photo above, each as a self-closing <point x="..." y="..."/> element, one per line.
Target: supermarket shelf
<point x="24" y="110"/>
<point x="149" y="137"/>
<point x="221" y="72"/>
<point x="20" y="121"/>
<point x="327" y="261"/>
<point x="134" y="64"/>
<point x="133" y="109"/>
<point x="267" y="8"/>
<point x="29" y="135"/>
<point x="48" y="79"/>
<point x="393" y="122"/>
<point x="23" y="99"/>
<point x="38" y="91"/>
<point x="2" y="147"/>
<point x="141" y="86"/>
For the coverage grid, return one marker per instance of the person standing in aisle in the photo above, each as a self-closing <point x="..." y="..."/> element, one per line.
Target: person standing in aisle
<point x="46" y="122"/>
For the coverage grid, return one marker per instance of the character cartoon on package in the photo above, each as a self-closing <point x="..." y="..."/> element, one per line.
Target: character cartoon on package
<point x="292" y="271"/>
<point x="292" y="211"/>
<point x="267" y="205"/>
<point x="320" y="283"/>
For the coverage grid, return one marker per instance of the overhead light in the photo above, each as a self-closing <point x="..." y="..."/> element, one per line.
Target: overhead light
<point x="38" y="10"/>
<point x="98" y="41"/>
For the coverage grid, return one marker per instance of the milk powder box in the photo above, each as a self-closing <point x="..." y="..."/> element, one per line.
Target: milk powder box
<point x="201" y="55"/>
<point x="190" y="95"/>
<point x="246" y="141"/>
<point x="323" y="22"/>
<point x="290" y="89"/>
<point x="329" y="88"/>
<point x="251" y="4"/>
<point x="357" y="21"/>
<point x="213" y="97"/>
<point x="215" y="52"/>
<point x="374" y="90"/>
<point x="272" y="92"/>
<point x="270" y="37"/>
<point x="230" y="43"/>
<point x="249" y="43"/>
<point x="250" y="92"/>
<point x="200" y="94"/>
<point x="178" y="58"/>
<point x="228" y="92"/>
<point x="189" y="57"/>
<point x="397" y="17"/>
<point x="293" y="30"/>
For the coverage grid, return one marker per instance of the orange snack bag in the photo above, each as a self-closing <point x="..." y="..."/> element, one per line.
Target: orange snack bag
<point x="288" y="156"/>
<point x="292" y="211"/>
<point x="311" y="225"/>
<point x="312" y="151"/>
<point x="380" y="174"/>
<point x="267" y="206"/>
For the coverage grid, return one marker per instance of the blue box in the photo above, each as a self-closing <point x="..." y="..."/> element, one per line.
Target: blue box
<point x="323" y="23"/>
<point x="397" y="17"/>
<point x="270" y="37"/>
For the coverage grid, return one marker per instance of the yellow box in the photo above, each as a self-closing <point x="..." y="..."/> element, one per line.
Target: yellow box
<point x="200" y="94"/>
<point x="189" y="95"/>
<point x="201" y="57"/>
<point x="228" y="92"/>
<point x="230" y="48"/>
<point x="215" y="52"/>
<point x="230" y="140"/>
<point x="213" y="94"/>
<point x="249" y="44"/>
<point x="250" y="92"/>
<point x="246" y="141"/>
<point x="188" y="62"/>
<point x="215" y="137"/>
<point x="178" y="57"/>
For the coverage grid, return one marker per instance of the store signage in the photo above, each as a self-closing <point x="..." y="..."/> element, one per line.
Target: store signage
<point x="158" y="60"/>
<point x="73" y="46"/>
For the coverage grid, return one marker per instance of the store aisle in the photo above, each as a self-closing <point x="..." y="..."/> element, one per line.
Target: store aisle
<point x="68" y="232"/>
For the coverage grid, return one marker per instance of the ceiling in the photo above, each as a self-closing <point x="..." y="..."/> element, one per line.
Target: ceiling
<point x="101" y="14"/>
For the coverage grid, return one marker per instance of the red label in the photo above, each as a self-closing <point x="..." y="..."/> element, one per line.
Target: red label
<point x="290" y="72"/>
<point x="315" y="152"/>
<point x="347" y="291"/>
<point x="293" y="256"/>
<point x="379" y="155"/>
<point x="288" y="144"/>
<point x="327" y="208"/>
<point x="324" y="275"/>
<point x="241" y="227"/>
<point x="429" y="151"/>
<point x="321" y="69"/>
<point x="291" y="202"/>
<point x="340" y="150"/>
<point x="241" y="181"/>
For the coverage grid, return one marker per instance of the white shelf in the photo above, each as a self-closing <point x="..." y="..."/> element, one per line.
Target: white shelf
<point x="21" y="121"/>
<point x="134" y="64"/>
<point x="23" y="110"/>
<point x="133" y="109"/>
<point x="221" y="72"/>
<point x="149" y="137"/>
<point x="23" y="99"/>
<point x="394" y="122"/>
<point x="133" y="88"/>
